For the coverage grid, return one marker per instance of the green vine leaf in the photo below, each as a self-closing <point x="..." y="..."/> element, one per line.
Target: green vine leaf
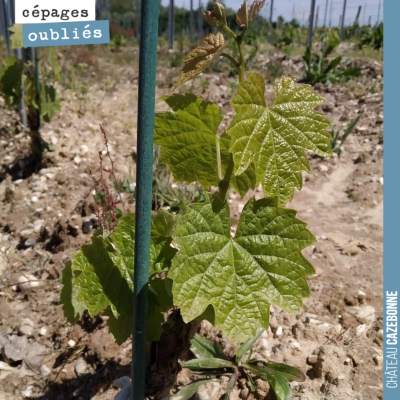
<point x="215" y="16"/>
<point x="242" y="276"/>
<point x="276" y="138"/>
<point x="49" y="102"/>
<point x="11" y="80"/>
<point x="72" y="308"/>
<point x="188" y="138"/>
<point x="161" y="252"/>
<point x="55" y="66"/>
<point x="100" y="277"/>
<point x="101" y="281"/>
<point x="120" y="327"/>
<point x="246" y="14"/>
<point x="17" y="38"/>
<point x="241" y="183"/>
<point x="199" y="58"/>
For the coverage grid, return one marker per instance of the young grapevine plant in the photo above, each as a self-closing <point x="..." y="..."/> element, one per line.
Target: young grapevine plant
<point x="18" y="82"/>
<point x="196" y="263"/>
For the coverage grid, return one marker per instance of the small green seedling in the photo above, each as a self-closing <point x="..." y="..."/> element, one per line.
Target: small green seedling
<point x="319" y="69"/>
<point x="212" y="363"/>
<point x="372" y="37"/>
<point x="338" y="141"/>
<point x="18" y="81"/>
<point x="117" y="42"/>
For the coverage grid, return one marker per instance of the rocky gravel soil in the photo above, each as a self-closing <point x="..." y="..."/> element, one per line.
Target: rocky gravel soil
<point x="48" y="211"/>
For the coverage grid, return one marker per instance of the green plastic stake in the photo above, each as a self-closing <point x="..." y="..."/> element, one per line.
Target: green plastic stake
<point x="144" y="179"/>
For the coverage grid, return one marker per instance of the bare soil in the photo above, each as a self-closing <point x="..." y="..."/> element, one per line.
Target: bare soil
<point x="44" y="209"/>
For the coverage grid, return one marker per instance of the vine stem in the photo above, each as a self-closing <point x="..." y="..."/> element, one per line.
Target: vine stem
<point x="232" y="60"/>
<point x="223" y="185"/>
<point x="219" y="169"/>
<point x="241" y="71"/>
<point x="238" y="40"/>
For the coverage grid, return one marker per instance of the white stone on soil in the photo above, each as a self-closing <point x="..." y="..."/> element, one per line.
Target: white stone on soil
<point x="45" y="371"/>
<point x="81" y="366"/>
<point x="83" y="149"/>
<point x="27" y="281"/>
<point x="279" y="331"/>
<point x="367" y="313"/>
<point x="5" y="367"/>
<point x="27" y="393"/>
<point x="361" y="329"/>
<point x="42" y="331"/>
<point x="294" y="345"/>
<point x="26" y="233"/>
<point x="26" y="327"/>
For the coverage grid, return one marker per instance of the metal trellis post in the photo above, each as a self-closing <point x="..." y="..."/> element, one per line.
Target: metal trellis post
<point x="8" y="23"/>
<point x="310" y="23"/>
<point x="379" y="12"/>
<point x="343" y="19"/>
<point x="191" y="23"/>
<point x="200" y="22"/>
<point x="271" y="12"/>
<point x="18" y="52"/>
<point x="3" y="21"/>
<point x="144" y="179"/>
<point x="270" y="29"/>
<point x="364" y="12"/>
<point x="171" y="24"/>
<point x="356" y="21"/>
<point x="326" y="12"/>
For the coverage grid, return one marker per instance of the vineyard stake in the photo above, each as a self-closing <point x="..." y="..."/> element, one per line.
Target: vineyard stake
<point x="8" y="23"/>
<point x="3" y="21"/>
<point x="191" y="23"/>
<point x="326" y="12"/>
<point x="270" y="27"/>
<point x="379" y="12"/>
<point x="364" y="12"/>
<point x="271" y="12"/>
<point x="342" y="20"/>
<point x="144" y="179"/>
<point x="358" y="15"/>
<point x="199" y="23"/>
<point x="310" y="23"/>
<point x="171" y="24"/>
<point x="18" y="52"/>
